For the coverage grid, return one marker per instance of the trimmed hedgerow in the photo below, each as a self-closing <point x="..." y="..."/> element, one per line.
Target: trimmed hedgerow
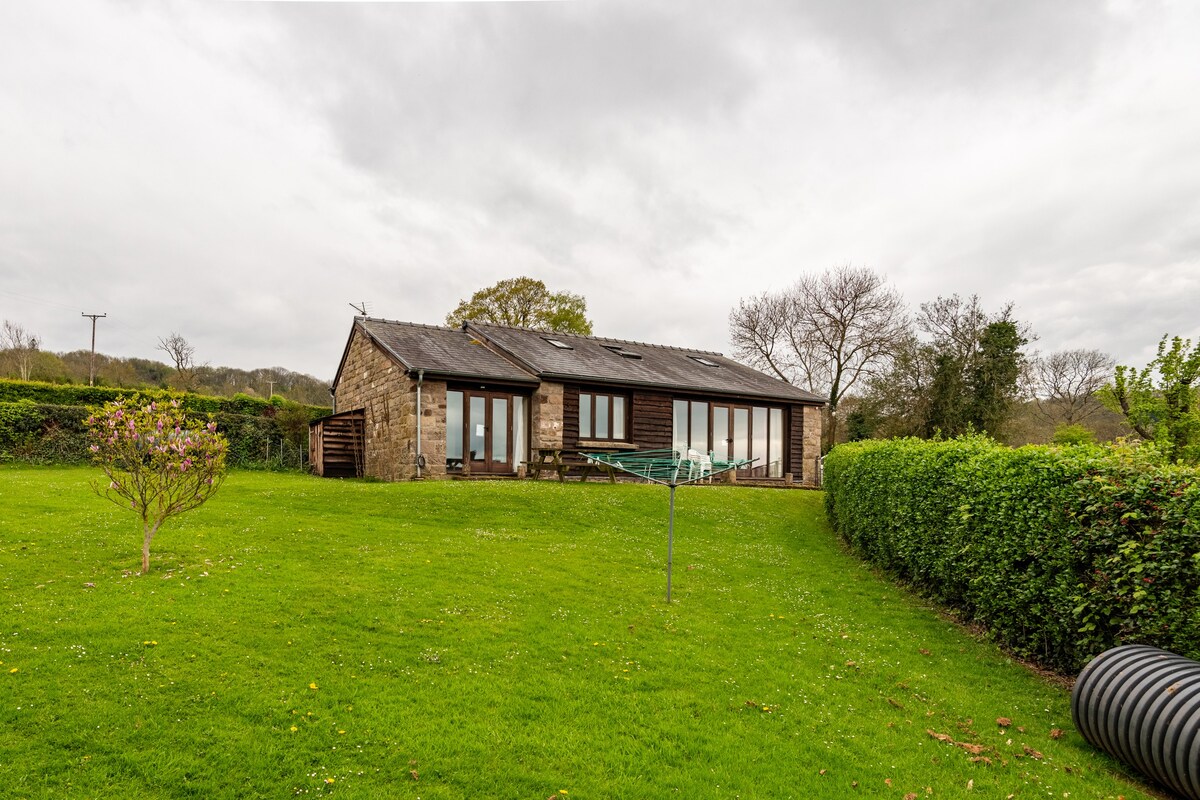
<point x="1060" y="552"/>
<point x="76" y="395"/>
<point x="42" y="433"/>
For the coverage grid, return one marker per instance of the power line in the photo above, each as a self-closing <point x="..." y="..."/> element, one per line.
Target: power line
<point x="29" y="299"/>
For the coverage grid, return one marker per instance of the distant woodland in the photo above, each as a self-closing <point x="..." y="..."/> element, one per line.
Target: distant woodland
<point x="139" y="373"/>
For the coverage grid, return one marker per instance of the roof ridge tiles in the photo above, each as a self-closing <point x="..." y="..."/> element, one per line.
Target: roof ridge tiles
<point x="407" y="324"/>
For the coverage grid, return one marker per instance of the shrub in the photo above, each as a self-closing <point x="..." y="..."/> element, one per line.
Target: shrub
<point x="156" y="461"/>
<point x="1060" y="551"/>
<point x="1073" y="434"/>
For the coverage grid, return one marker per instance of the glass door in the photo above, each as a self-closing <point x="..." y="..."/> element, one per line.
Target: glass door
<point x="489" y="432"/>
<point x="745" y="432"/>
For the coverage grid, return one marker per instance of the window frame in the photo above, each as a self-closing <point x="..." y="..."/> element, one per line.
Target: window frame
<point x="763" y="425"/>
<point x="610" y="419"/>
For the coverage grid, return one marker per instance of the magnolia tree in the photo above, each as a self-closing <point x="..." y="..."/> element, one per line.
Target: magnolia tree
<point x="158" y="463"/>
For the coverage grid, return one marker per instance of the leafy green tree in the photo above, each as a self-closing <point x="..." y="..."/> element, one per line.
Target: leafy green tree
<point x="858" y="426"/>
<point x="1161" y="401"/>
<point x="524" y="303"/>
<point x="158" y="463"/>
<point x="963" y="377"/>
<point x="947" y="406"/>
<point x="993" y="380"/>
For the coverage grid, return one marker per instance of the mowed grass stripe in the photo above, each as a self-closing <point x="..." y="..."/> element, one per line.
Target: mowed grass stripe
<point x="505" y="640"/>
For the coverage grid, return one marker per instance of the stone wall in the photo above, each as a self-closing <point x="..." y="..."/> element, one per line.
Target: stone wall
<point x="380" y="386"/>
<point x="433" y="428"/>
<point x="812" y="445"/>
<point x="546" y="416"/>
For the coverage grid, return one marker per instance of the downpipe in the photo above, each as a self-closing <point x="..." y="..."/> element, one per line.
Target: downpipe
<point x="420" y="458"/>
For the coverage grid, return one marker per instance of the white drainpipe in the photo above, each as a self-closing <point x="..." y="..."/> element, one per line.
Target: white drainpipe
<point x="420" y="380"/>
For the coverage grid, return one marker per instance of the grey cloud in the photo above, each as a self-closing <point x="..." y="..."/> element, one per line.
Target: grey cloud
<point x="401" y="83"/>
<point x="949" y="44"/>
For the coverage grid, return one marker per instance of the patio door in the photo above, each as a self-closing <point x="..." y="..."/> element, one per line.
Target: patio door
<point x="744" y="432"/>
<point x="731" y="435"/>
<point x="489" y="432"/>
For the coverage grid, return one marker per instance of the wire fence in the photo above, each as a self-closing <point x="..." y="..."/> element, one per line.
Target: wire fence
<point x="282" y="454"/>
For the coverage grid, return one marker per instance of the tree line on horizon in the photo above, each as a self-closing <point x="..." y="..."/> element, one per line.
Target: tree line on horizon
<point x="21" y="359"/>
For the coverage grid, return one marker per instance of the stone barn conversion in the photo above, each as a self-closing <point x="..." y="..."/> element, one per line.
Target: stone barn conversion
<point x="421" y="401"/>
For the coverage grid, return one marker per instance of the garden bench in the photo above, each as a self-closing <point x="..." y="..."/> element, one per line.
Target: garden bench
<point x="563" y="463"/>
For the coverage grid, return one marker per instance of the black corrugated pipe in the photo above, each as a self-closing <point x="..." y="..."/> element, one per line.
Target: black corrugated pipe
<point x="1141" y="705"/>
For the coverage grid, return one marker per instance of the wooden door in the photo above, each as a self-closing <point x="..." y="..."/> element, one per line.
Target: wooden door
<point x="488" y="418"/>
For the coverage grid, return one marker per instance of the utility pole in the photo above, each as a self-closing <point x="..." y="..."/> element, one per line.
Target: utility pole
<point x="92" y="361"/>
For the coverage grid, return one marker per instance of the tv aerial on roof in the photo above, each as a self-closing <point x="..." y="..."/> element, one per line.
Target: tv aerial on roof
<point x="361" y="308"/>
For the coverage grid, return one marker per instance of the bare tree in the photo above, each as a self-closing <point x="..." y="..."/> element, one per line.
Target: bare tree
<point x="759" y="329"/>
<point x="1066" y="384"/>
<point x="826" y="333"/>
<point x="955" y="325"/>
<point x="22" y="344"/>
<point x="182" y="354"/>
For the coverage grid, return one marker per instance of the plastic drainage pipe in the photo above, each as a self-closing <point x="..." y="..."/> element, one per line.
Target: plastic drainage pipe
<point x="1141" y="705"/>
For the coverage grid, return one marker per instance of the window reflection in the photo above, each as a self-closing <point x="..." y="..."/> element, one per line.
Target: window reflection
<point x="775" y="451"/>
<point x="585" y="416"/>
<point x="454" y="430"/>
<point x="499" y="429"/>
<point x="477" y="425"/>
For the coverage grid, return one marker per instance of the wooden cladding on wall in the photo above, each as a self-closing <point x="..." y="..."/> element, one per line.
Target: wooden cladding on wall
<point x="651" y="421"/>
<point x="570" y="420"/>
<point x="795" y="460"/>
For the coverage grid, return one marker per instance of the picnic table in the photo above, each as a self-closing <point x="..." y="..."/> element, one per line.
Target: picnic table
<point x="565" y="462"/>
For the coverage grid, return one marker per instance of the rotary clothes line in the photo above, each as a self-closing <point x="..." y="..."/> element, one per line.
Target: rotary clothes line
<point x="671" y="468"/>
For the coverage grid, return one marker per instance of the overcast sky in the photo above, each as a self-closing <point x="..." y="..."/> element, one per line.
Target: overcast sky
<point x="239" y="172"/>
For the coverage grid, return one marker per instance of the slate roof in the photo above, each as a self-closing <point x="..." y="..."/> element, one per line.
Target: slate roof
<point x="441" y="351"/>
<point x="521" y="355"/>
<point x="599" y="360"/>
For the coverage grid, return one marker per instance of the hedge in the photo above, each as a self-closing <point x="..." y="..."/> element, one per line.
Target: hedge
<point x="1061" y="552"/>
<point x="77" y="395"/>
<point x="43" y="433"/>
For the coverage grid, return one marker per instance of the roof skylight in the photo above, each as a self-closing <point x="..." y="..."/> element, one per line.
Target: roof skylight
<point x="561" y="345"/>
<point x="621" y="351"/>
<point x="705" y="361"/>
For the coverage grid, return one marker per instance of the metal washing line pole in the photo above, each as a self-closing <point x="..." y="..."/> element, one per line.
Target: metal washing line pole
<point x="664" y="467"/>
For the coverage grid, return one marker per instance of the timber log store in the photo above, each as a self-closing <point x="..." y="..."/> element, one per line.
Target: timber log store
<point x="485" y="400"/>
<point x="335" y="445"/>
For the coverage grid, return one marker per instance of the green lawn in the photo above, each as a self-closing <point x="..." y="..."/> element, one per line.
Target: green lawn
<point x="300" y="636"/>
